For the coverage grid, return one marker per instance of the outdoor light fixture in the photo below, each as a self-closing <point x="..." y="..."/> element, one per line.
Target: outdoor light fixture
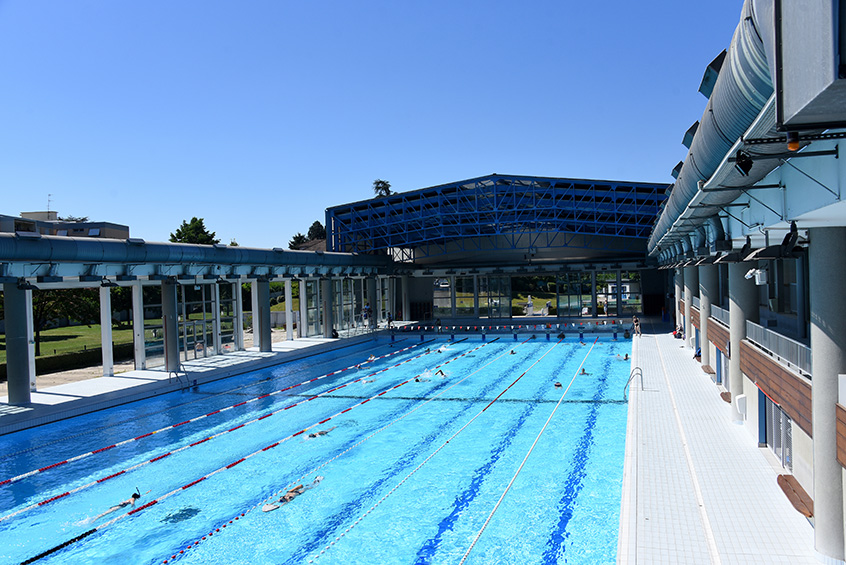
<point x="793" y="141"/>
<point x="743" y="162"/>
<point x="107" y="283"/>
<point x="23" y="284"/>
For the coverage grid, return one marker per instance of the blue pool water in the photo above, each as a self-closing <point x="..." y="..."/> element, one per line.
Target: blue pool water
<point x="411" y="476"/>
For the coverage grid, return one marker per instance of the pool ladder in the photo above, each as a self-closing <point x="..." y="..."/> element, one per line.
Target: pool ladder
<point x="186" y="383"/>
<point x="636" y="372"/>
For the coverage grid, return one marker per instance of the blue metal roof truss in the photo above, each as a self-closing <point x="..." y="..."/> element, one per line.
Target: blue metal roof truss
<point x="461" y="216"/>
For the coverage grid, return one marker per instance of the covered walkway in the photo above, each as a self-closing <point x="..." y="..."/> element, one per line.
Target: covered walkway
<point x="696" y="488"/>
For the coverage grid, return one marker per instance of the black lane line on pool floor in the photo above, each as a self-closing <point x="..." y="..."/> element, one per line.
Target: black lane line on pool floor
<point x="184" y="404"/>
<point x="193" y="444"/>
<point x="431" y="455"/>
<point x="353" y="505"/>
<point x="201" y="417"/>
<point x="233" y="464"/>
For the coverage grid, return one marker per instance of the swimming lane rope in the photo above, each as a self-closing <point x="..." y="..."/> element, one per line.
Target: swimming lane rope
<point x="192" y="420"/>
<point x="322" y="465"/>
<point x="431" y="455"/>
<point x="184" y="447"/>
<point x="221" y="469"/>
<point x="159" y="413"/>
<point x="520" y="468"/>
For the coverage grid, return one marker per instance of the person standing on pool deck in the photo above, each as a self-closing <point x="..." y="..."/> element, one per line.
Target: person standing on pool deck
<point x="636" y="326"/>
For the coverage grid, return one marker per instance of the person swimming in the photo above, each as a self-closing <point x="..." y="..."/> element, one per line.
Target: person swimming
<point x="583" y="372"/>
<point x="558" y="385"/>
<point x="320" y="433"/>
<point x="292" y="494"/>
<point x="440" y="372"/>
<point x="128" y="502"/>
<point x="371" y="358"/>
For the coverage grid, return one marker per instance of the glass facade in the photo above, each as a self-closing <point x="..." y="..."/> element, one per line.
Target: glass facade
<point x="574" y="295"/>
<point x="442" y="301"/>
<point x="153" y="329"/>
<point x="464" y="296"/>
<point x="494" y="296"/>
<point x="313" y="319"/>
<point x="631" y="298"/>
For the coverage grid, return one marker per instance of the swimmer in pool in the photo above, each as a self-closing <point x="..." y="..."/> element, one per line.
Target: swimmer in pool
<point x="558" y="385"/>
<point x="128" y="502"/>
<point x="371" y="358"/>
<point x="320" y="433"/>
<point x="583" y="372"/>
<point x="440" y="372"/>
<point x="291" y="495"/>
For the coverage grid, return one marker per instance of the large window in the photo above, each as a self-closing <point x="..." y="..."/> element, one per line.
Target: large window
<point x="631" y="299"/>
<point x="494" y="297"/>
<point x="313" y="321"/>
<point x="574" y="295"/>
<point x="196" y="321"/>
<point x="606" y="293"/>
<point x="227" y="315"/>
<point x="464" y="291"/>
<point x="153" y="330"/>
<point x="442" y="301"/>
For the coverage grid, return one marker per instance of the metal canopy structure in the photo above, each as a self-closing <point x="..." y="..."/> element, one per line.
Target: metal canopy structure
<point x="501" y="219"/>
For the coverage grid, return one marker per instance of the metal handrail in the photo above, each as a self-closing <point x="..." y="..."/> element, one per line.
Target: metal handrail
<point x="786" y="349"/>
<point x="637" y="371"/>
<point x="720" y="314"/>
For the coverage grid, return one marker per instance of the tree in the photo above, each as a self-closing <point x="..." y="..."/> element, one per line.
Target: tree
<point x="296" y="241"/>
<point x="381" y="188"/>
<point x="81" y="305"/>
<point x="233" y="243"/>
<point x="76" y="219"/>
<point x="316" y="231"/>
<point x="194" y="232"/>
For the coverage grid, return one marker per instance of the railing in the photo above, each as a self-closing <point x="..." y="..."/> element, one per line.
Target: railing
<point x="786" y="349"/>
<point x="636" y="372"/>
<point x="720" y="314"/>
<point x="696" y="301"/>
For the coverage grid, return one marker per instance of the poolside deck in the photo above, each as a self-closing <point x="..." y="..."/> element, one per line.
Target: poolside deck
<point x="697" y="489"/>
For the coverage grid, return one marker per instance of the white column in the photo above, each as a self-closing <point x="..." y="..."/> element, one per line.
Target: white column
<point x="708" y="289"/>
<point x="827" y="269"/>
<point x="691" y="289"/>
<point x="743" y="306"/>
<point x="106" y="331"/>
<point x="302" y="328"/>
<point x="239" y="316"/>
<point x="30" y="332"/>
<point x="289" y="311"/>
<point x="218" y="347"/>
<point x="256" y="325"/>
<point x="140" y="350"/>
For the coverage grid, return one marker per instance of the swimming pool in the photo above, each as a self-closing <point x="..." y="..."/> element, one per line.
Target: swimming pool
<point x="414" y="463"/>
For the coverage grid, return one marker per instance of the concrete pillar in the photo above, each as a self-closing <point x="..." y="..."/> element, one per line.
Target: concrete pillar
<point x="16" y="302"/>
<point x="476" y="296"/>
<point x="691" y="289"/>
<point x="743" y="306"/>
<point x="709" y="288"/>
<point x="327" y="295"/>
<point x="678" y="279"/>
<point x="289" y="310"/>
<point x="371" y="300"/>
<point x="302" y="328"/>
<point x="261" y="300"/>
<point x="593" y="304"/>
<point x="801" y="297"/>
<point x="406" y="298"/>
<point x="254" y="308"/>
<point x="216" y="328"/>
<point x="106" y="331"/>
<point x="619" y="294"/>
<point x="170" y="325"/>
<point x="453" y="295"/>
<point x="239" y="316"/>
<point x="138" y="336"/>
<point x="827" y="269"/>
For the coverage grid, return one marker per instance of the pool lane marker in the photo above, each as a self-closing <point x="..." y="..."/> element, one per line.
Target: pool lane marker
<point x="225" y="467"/>
<point x="192" y="420"/>
<point x="431" y="455"/>
<point x="526" y="458"/>
<point x="198" y="442"/>
<point x="386" y="426"/>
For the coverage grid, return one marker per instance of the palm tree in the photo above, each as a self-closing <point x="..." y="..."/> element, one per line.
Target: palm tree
<point x="381" y="188"/>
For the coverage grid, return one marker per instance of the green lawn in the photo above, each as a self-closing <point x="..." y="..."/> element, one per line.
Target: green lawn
<point x="71" y="339"/>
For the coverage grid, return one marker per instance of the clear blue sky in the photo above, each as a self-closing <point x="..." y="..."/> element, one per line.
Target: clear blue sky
<point x="258" y="115"/>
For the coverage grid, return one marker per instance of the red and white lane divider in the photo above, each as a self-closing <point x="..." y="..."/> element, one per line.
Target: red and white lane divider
<point x="226" y="467"/>
<point x="192" y="420"/>
<point x="224" y="432"/>
<point x="520" y="468"/>
<point x="322" y="465"/>
<point x="431" y="455"/>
